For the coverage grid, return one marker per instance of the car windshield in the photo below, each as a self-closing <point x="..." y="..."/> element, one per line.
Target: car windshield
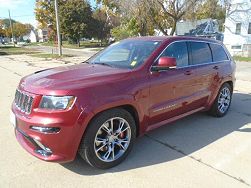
<point x="127" y="54"/>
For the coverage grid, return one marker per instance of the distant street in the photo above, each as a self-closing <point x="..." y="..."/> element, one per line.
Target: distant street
<point x="86" y="52"/>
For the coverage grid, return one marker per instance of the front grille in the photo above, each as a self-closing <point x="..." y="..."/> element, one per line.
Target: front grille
<point x="23" y="101"/>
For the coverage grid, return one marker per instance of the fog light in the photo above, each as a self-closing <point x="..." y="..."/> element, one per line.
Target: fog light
<point x="45" y="129"/>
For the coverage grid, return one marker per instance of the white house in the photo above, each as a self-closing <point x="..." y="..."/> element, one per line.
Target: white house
<point x="32" y="36"/>
<point x="237" y="35"/>
<point x="42" y="35"/>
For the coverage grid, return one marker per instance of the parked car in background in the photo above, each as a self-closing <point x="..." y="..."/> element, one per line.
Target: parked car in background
<point x="99" y="107"/>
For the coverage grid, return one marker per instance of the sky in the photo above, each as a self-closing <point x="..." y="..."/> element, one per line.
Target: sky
<point x="21" y="10"/>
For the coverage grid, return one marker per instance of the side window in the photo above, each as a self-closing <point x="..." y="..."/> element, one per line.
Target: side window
<point x="201" y="53"/>
<point x="219" y="53"/>
<point x="177" y="50"/>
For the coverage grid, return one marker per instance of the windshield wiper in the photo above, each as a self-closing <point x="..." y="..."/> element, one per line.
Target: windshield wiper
<point x="105" y="64"/>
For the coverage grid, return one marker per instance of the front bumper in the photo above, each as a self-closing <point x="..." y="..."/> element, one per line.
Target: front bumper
<point x="60" y="146"/>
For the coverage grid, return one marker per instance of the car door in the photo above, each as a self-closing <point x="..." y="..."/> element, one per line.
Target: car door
<point x="219" y="65"/>
<point x="170" y="90"/>
<point x="204" y="72"/>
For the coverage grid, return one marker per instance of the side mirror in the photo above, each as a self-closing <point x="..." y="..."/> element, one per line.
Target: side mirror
<point x="164" y="63"/>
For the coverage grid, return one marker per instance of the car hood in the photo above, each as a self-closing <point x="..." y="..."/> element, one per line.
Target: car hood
<point x="70" y="77"/>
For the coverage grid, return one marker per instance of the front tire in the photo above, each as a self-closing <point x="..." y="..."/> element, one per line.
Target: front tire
<point x="222" y="102"/>
<point x="108" y="139"/>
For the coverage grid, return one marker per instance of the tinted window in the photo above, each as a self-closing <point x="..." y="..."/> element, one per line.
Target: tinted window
<point x="219" y="53"/>
<point x="201" y="53"/>
<point x="177" y="50"/>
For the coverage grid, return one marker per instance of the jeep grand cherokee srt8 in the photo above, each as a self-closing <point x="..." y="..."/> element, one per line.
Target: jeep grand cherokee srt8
<point x="98" y="108"/>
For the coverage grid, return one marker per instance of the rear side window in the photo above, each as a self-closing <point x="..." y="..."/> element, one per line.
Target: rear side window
<point x="200" y="53"/>
<point x="177" y="50"/>
<point x="219" y="53"/>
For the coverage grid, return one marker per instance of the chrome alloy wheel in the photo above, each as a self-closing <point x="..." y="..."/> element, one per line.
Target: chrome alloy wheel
<point x="224" y="99"/>
<point x="112" y="139"/>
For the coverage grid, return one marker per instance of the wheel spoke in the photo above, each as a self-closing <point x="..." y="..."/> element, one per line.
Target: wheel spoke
<point x="124" y="141"/>
<point x="111" y="126"/>
<point x="121" y="130"/>
<point x="124" y="130"/>
<point x="100" y="140"/>
<point x="106" y="129"/>
<point x="121" y="125"/>
<point x="108" y="153"/>
<point x="101" y="147"/>
<point x="120" y="145"/>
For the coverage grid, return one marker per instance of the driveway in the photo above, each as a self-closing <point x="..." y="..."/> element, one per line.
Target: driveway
<point x="197" y="151"/>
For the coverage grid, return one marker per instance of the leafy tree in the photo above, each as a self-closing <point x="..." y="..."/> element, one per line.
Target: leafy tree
<point x="76" y="19"/>
<point x="111" y="9"/>
<point x="2" y="31"/>
<point x="100" y="26"/>
<point x="211" y="9"/>
<point x="126" y="29"/>
<point x="20" y="29"/>
<point x="45" y="13"/>
<point x="137" y="11"/>
<point x="6" y="22"/>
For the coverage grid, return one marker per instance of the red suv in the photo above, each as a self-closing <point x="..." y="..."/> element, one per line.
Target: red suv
<point x="99" y="107"/>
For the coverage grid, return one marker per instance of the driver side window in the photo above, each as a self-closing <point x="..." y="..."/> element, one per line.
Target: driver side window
<point x="177" y="50"/>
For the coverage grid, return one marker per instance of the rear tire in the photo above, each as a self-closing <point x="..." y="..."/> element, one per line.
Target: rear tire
<point x="108" y="139"/>
<point x="222" y="102"/>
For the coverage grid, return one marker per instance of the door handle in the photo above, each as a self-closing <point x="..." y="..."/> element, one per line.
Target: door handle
<point x="216" y="67"/>
<point x="188" y="72"/>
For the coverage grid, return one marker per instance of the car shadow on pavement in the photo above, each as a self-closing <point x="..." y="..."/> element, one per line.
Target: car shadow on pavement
<point x="178" y="139"/>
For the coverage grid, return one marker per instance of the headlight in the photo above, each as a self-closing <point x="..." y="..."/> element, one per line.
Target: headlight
<point x="56" y="102"/>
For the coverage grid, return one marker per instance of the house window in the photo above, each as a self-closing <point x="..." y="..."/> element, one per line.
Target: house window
<point x="236" y="47"/>
<point x="249" y="28"/>
<point x="238" y="29"/>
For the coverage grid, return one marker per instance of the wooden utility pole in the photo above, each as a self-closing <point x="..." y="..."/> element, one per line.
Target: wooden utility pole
<point x="11" y="28"/>
<point x="58" y="29"/>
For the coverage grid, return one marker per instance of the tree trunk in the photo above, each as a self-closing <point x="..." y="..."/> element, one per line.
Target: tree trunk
<point x="173" y="27"/>
<point x="78" y="42"/>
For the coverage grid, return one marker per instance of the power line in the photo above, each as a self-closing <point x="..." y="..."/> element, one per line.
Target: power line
<point x="17" y="16"/>
<point x="24" y="16"/>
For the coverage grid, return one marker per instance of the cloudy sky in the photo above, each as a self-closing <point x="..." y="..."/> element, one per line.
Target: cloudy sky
<point x="21" y="10"/>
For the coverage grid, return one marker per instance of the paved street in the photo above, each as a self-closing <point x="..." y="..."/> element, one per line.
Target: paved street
<point x="69" y="51"/>
<point x="197" y="151"/>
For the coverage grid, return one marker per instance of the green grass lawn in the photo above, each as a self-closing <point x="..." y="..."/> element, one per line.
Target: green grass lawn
<point x="83" y="44"/>
<point x="10" y="50"/>
<point x="240" y="58"/>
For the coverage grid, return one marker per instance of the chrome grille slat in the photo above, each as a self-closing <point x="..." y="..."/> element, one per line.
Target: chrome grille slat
<point x="23" y="101"/>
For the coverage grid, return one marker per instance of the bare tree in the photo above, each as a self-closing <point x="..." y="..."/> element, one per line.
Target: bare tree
<point x="166" y="13"/>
